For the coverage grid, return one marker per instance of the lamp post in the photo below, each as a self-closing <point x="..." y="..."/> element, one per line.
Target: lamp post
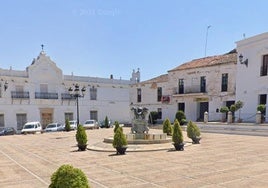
<point x="77" y="93"/>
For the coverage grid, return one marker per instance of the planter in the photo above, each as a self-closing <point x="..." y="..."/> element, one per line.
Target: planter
<point x="196" y="140"/>
<point x="121" y="150"/>
<point x="179" y="147"/>
<point x="82" y="147"/>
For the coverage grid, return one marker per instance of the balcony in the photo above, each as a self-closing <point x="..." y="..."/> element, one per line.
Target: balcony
<point x="66" y="96"/>
<point x="190" y="90"/>
<point x="42" y="95"/>
<point x="20" y="95"/>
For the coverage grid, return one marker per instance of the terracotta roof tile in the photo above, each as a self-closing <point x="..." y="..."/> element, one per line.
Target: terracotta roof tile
<point x="230" y="57"/>
<point x="158" y="79"/>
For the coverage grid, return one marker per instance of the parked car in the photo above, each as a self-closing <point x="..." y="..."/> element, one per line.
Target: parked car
<point x="73" y="124"/>
<point x="91" y="124"/>
<point x="52" y="127"/>
<point x="7" y="131"/>
<point x="32" y="127"/>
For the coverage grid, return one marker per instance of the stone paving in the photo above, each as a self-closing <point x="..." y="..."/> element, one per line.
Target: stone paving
<point x="220" y="161"/>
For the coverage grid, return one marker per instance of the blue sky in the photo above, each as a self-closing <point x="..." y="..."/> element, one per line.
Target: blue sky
<point x="98" y="38"/>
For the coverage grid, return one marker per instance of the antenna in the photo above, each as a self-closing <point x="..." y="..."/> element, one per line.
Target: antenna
<point x="206" y="40"/>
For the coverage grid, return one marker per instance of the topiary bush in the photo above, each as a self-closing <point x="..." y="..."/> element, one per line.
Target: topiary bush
<point x="116" y="126"/>
<point x="106" y="122"/>
<point x="81" y="137"/>
<point x="68" y="176"/>
<point x="177" y="136"/>
<point x="193" y="132"/>
<point x="120" y="139"/>
<point x="153" y="116"/>
<point x="180" y="116"/>
<point x="167" y="127"/>
<point x="67" y="125"/>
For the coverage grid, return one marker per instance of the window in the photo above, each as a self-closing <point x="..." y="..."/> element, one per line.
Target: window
<point x="263" y="98"/>
<point x="224" y="82"/>
<point x="264" y="66"/>
<point x="203" y="84"/>
<point x="159" y="111"/>
<point x="2" y="120"/>
<point x="181" y="86"/>
<point x="139" y="95"/>
<point x="69" y="116"/>
<point x="94" y="115"/>
<point x="93" y="93"/>
<point x="181" y="106"/>
<point x="159" y="94"/>
<point x="21" y="120"/>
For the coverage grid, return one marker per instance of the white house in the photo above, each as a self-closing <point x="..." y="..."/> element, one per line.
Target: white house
<point x="40" y="93"/>
<point x="204" y="84"/>
<point x="252" y="74"/>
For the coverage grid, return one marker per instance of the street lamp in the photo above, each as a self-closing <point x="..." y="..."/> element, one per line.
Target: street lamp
<point x="77" y="93"/>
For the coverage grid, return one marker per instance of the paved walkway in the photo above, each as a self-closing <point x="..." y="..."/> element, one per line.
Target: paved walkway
<point x="220" y="161"/>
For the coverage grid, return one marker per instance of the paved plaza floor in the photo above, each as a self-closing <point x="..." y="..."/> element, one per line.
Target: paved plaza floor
<point x="220" y="161"/>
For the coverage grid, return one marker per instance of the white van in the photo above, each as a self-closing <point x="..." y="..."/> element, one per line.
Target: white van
<point x="32" y="127"/>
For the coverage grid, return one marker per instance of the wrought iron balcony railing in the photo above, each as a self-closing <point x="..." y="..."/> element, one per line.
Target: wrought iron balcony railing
<point x="20" y="95"/>
<point x="45" y="95"/>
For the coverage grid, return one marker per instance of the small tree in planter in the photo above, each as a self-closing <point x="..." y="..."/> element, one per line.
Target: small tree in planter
<point x="81" y="138"/>
<point x="153" y="117"/>
<point x="177" y="136"/>
<point x="262" y="109"/>
<point x="167" y="127"/>
<point x="193" y="132"/>
<point x="120" y="141"/>
<point x="116" y="126"/>
<point x="106" y="122"/>
<point x="233" y="109"/>
<point x="68" y="176"/>
<point x="180" y="116"/>
<point x="67" y="125"/>
<point x="224" y="110"/>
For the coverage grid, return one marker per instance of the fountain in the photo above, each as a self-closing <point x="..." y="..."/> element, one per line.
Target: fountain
<point x="140" y="131"/>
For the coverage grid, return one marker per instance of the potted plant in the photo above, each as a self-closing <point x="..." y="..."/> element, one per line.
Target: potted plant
<point x="167" y="127"/>
<point x="233" y="109"/>
<point x="177" y="136"/>
<point x="224" y="110"/>
<point x="262" y="109"/>
<point x="180" y="116"/>
<point x="68" y="176"/>
<point x="67" y="125"/>
<point x="238" y="105"/>
<point x="120" y="141"/>
<point x="106" y="122"/>
<point x="193" y="132"/>
<point x="81" y="138"/>
<point x="116" y="126"/>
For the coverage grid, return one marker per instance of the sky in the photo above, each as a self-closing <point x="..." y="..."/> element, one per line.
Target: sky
<point x="98" y="38"/>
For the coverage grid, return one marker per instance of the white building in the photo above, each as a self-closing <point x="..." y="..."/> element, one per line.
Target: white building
<point x="194" y="87"/>
<point x="40" y="93"/>
<point x="252" y="74"/>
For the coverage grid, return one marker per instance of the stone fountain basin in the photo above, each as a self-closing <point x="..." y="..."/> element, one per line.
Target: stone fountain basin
<point x="144" y="138"/>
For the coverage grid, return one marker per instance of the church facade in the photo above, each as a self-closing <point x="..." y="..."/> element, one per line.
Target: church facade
<point x="41" y="93"/>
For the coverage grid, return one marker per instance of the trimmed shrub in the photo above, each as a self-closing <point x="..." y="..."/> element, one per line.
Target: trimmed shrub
<point x="67" y="125"/>
<point x="177" y="136"/>
<point x="167" y="127"/>
<point x="180" y="116"/>
<point x="153" y="116"/>
<point x="261" y="108"/>
<point x="106" y="122"/>
<point x="193" y="130"/>
<point x="224" y="109"/>
<point x="81" y="135"/>
<point x="68" y="176"/>
<point x="116" y="126"/>
<point x="120" y="139"/>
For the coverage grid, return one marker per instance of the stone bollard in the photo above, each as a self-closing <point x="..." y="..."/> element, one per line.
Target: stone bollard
<point x="205" y="117"/>
<point x="229" y="117"/>
<point x="258" y="117"/>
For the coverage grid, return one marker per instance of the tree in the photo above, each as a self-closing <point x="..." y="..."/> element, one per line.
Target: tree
<point x="167" y="127"/>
